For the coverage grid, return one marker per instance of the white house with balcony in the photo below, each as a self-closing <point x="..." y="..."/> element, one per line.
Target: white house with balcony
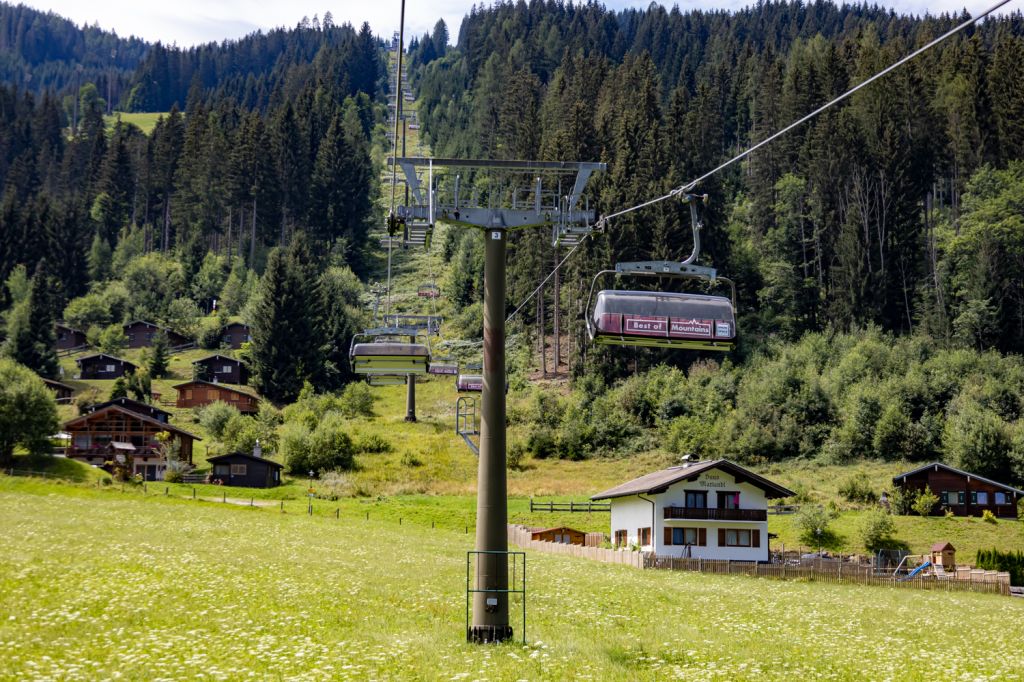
<point x="710" y="510"/>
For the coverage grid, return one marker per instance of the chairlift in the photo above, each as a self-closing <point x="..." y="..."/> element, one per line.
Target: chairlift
<point x="472" y="383"/>
<point x="382" y="355"/>
<point x="444" y="365"/>
<point x="386" y="379"/>
<point x="659" y="319"/>
<point x="428" y="291"/>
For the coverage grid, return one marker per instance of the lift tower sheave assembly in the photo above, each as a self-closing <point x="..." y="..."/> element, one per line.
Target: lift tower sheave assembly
<point x="496" y="197"/>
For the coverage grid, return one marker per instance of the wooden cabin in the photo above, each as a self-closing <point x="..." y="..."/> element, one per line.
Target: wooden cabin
<point x="197" y="393"/>
<point x="69" y="338"/>
<point x="221" y="369"/>
<point x="961" y="492"/>
<point x="233" y="335"/>
<point x="141" y="333"/>
<point x="944" y="556"/>
<point x="561" y="534"/>
<point x="117" y="433"/>
<point x="245" y="470"/>
<point x="145" y="409"/>
<point x="62" y="392"/>
<point x="103" y="366"/>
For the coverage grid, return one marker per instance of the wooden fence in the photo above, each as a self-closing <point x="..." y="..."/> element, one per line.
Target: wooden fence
<point x="572" y="507"/>
<point x="521" y="537"/>
<point x="816" y="570"/>
<point x="989" y="582"/>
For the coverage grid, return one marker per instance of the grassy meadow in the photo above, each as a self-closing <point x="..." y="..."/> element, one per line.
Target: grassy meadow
<point x="144" y="121"/>
<point x="96" y="584"/>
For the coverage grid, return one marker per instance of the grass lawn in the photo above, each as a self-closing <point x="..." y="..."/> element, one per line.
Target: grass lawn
<point x="98" y="584"/>
<point x="145" y="121"/>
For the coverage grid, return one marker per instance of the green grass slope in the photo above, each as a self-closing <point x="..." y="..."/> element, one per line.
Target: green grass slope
<point x="96" y="585"/>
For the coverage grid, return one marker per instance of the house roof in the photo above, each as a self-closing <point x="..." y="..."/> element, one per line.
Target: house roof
<point x="129" y="404"/>
<point x="68" y="327"/>
<point x="235" y="324"/>
<point x="226" y="387"/>
<point x="57" y="384"/>
<point x="155" y="422"/>
<point x="166" y="330"/>
<point x="940" y="465"/>
<point x="218" y="356"/>
<point x="659" y="481"/>
<point x="548" y="530"/>
<point x="103" y="355"/>
<point x="942" y="546"/>
<point x="244" y="455"/>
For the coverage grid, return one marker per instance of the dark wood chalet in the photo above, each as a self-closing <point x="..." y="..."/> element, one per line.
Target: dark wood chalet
<point x="103" y="366"/>
<point x="221" y="369"/>
<point x="961" y="492"/>
<point x="197" y="393"/>
<point x="151" y="411"/>
<point x="117" y="433"/>
<point x="245" y="470"/>
<point x="140" y="335"/>
<point x="69" y="338"/>
<point x="62" y="392"/>
<point x="235" y="334"/>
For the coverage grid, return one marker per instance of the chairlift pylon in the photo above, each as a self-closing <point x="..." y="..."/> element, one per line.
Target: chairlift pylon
<point x="662" y="319"/>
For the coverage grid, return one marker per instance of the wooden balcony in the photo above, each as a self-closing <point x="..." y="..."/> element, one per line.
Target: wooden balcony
<point x="712" y="514"/>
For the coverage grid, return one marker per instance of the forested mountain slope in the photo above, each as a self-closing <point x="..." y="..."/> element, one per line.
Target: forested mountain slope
<point x="867" y="214"/>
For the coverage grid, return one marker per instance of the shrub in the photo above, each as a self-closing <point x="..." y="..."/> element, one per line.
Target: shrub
<point x="409" y="459"/>
<point x="373" y="443"/>
<point x="925" y="502"/>
<point x="215" y="417"/>
<point x="858" y="489"/>
<point x="330" y="447"/>
<point x="900" y="502"/>
<point x="876" y="530"/>
<point x="515" y="456"/>
<point x="988" y="517"/>
<point x="112" y="339"/>
<point x="356" y="400"/>
<point x="542" y="443"/>
<point x="997" y="560"/>
<point x="813" y="522"/>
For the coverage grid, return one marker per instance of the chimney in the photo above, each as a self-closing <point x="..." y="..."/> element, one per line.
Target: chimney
<point x="257" y="451"/>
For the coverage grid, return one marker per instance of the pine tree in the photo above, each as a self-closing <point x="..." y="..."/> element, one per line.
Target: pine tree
<point x="33" y="340"/>
<point x="159" y="356"/>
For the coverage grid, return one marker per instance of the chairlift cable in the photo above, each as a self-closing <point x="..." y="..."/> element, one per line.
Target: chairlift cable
<point x="683" y="189"/>
<point x="394" y="145"/>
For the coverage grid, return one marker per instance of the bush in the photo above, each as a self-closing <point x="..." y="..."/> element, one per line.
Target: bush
<point x="216" y="416"/>
<point x="330" y="447"/>
<point x="988" y="517"/>
<point x="112" y="339"/>
<point x="997" y="560"/>
<point x="876" y="530"/>
<point x="356" y="400"/>
<point x="925" y="502"/>
<point x="409" y="459"/>
<point x="900" y="502"/>
<point x="374" y="444"/>
<point x="515" y="456"/>
<point x="813" y="522"/>
<point x="542" y="443"/>
<point x="858" y="489"/>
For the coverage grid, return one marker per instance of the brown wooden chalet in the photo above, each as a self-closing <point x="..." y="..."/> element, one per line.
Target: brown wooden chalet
<point x="561" y="534"/>
<point x="221" y="369"/>
<point x="233" y="335"/>
<point x="69" y="338"/>
<point x="961" y="492"/>
<point x="103" y="366"/>
<point x="198" y="393"/>
<point x="151" y="411"/>
<point x="141" y="333"/>
<point x="245" y="470"/>
<point x="116" y="433"/>
<point x="62" y="392"/>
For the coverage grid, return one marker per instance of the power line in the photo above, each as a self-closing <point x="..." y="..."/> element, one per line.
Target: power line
<point x="683" y="189"/>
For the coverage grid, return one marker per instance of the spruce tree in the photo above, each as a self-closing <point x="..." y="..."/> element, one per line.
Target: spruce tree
<point x="158" y="358"/>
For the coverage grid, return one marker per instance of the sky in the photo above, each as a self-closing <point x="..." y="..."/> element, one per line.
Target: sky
<point x="189" y="22"/>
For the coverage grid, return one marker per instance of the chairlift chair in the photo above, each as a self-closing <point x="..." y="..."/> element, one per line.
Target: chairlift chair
<point x="444" y="365"/>
<point x="386" y="379"/>
<point x="382" y="354"/>
<point x="428" y="291"/>
<point x="662" y="319"/>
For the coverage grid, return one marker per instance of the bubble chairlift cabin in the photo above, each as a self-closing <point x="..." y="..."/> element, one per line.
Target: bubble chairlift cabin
<point x="389" y="351"/>
<point x="661" y="319"/>
<point x="470" y="381"/>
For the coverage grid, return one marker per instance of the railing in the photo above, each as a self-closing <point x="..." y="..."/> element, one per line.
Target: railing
<point x="571" y="507"/>
<point x="103" y="451"/>
<point x="712" y="514"/>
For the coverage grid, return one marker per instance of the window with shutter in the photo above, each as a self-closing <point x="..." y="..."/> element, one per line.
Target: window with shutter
<point x="721" y="537"/>
<point x="668" y="536"/>
<point x="702" y="537"/>
<point x="757" y="539"/>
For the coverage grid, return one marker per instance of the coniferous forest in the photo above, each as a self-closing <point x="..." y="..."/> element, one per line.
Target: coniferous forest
<point x="878" y="250"/>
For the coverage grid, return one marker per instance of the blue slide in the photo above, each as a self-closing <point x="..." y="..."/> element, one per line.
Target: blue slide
<point x="917" y="570"/>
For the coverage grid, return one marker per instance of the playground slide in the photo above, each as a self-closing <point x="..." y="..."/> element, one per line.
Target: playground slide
<point x="917" y="570"/>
